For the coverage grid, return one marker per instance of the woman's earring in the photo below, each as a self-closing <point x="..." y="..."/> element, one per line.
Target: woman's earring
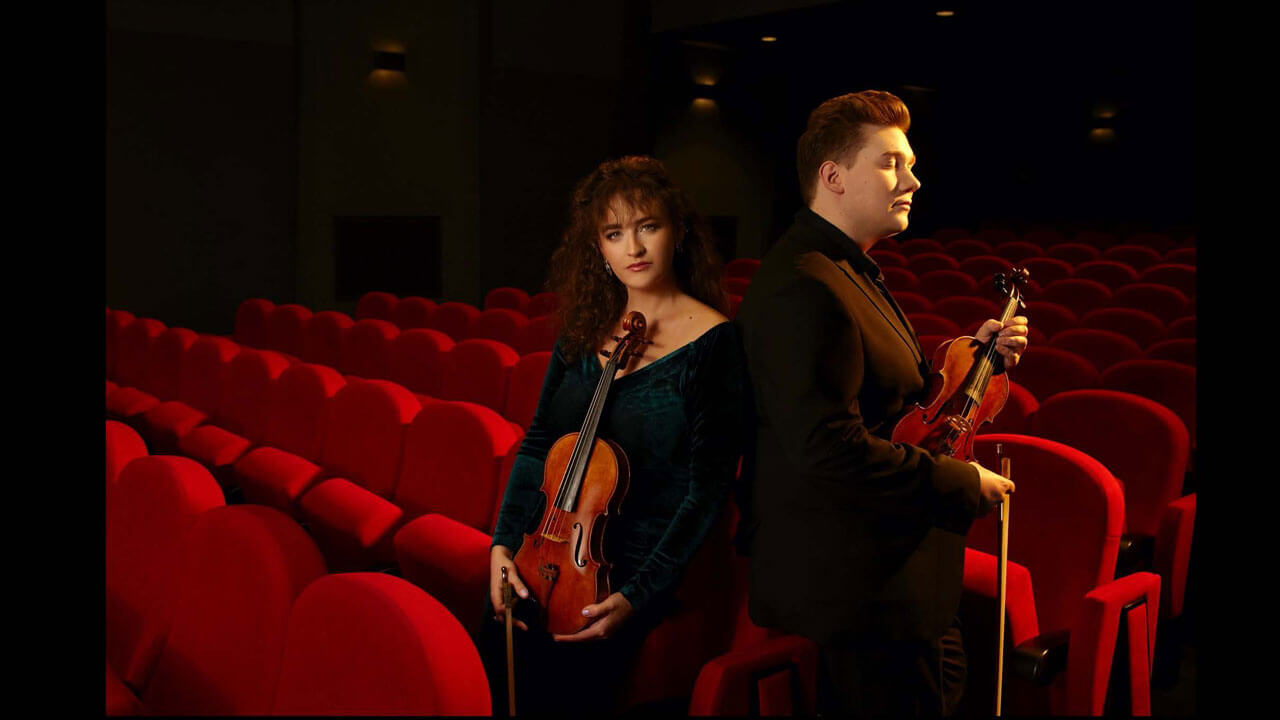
<point x="608" y="269"/>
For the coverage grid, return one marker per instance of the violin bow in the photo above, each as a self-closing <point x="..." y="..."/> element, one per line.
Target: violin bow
<point x="1000" y="584"/>
<point x="507" y="599"/>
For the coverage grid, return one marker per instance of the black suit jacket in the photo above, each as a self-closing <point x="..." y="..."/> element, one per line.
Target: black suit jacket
<point x="851" y="536"/>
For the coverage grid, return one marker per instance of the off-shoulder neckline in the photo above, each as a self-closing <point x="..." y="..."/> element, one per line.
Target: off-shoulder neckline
<point x="705" y="333"/>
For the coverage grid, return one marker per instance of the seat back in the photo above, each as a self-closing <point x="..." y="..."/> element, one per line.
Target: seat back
<point x="1102" y="348"/>
<point x="1074" y="253"/>
<point x="413" y="312"/>
<point x="1181" y="350"/>
<point x="1138" y="325"/>
<point x="124" y="444"/>
<point x="251" y="322"/>
<point x="323" y="337"/>
<point x="366" y="349"/>
<point x="1109" y="426"/>
<point x="149" y="511"/>
<point x="242" y="568"/>
<point x="968" y="313"/>
<point x="1171" y="384"/>
<point x="394" y="650"/>
<point x="506" y="298"/>
<point x="299" y="407"/>
<point x="1180" y="276"/>
<point x="377" y="305"/>
<point x="365" y="436"/>
<point x="543" y="303"/>
<point x="1077" y="294"/>
<point x="1016" y="415"/>
<point x="134" y="352"/>
<point x="525" y="388"/>
<point x="1047" y="269"/>
<point x="286" y="326"/>
<point x="967" y="247"/>
<point x="452" y="455"/>
<point x="1047" y="370"/>
<point x="455" y="318"/>
<point x="900" y="278"/>
<point x="981" y="266"/>
<point x="164" y="367"/>
<point x="1018" y="252"/>
<point x="202" y="379"/>
<point x="933" y="324"/>
<point x="921" y="263"/>
<point x="741" y="267"/>
<point x="1164" y="302"/>
<point x="479" y="371"/>
<point x="1050" y="317"/>
<point x="938" y="284"/>
<point x="1137" y="257"/>
<point x="246" y="401"/>
<point x="1066" y="518"/>
<point x="418" y="360"/>
<point x="501" y="324"/>
<point x="540" y="334"/>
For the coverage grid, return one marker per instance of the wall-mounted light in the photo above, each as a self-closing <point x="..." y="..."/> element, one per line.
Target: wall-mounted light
<point x="388" y="60"/>
<point x="769" y="39"/>
<point x="945" y="13"/>
<point x="1102" y="135"/>
<point x="1104" y="110"/>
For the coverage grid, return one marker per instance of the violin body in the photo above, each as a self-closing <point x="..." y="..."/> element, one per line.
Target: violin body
<point x="563" y="564"/>
<point x="948" y="423"/>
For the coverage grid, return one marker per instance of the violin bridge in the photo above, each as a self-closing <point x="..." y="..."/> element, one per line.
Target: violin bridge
<point x="555" y="538"/>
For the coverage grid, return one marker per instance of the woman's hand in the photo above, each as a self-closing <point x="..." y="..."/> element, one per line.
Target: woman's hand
<point x="499" y="557"/>
<point x="1011" y="338"/>
<point x="606" y="616"/>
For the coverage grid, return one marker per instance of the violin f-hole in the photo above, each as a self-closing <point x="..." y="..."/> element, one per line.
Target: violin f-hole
<point x="577" y="547"/>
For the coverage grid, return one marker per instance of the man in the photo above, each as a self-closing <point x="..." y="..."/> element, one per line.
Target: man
<point x="855" y="542"/>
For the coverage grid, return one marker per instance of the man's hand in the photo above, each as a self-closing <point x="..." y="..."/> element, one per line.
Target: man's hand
<point x="1011" y="338"/>
<point x="500" y="557"/>
<point x="606" y="616"/>
<point x="994" y="488"/>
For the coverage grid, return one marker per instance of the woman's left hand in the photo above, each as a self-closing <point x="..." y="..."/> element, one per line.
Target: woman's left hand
<point x="1011" y="338"/>
<point x="606" y="616"/>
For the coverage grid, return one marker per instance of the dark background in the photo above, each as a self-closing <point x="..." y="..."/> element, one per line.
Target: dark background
<point x="245" y="138"/>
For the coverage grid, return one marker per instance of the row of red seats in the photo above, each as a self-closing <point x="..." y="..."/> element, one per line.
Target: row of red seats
<point x="1078" y="295"/>
<point x="1046" y="237"/>
<point x="1113" y="274"/>
<point x="1136" y="255"/>
<point x="162" y="364"/>
<point x="1048" y="319"/>
<point x="229" y="610"/>
<point x="333" y="338"/>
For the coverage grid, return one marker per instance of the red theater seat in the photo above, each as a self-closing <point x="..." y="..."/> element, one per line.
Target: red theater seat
<point x="1181" y="350"/>
<point x="201" y="384"/>
<point x="455" y="319"/>
<point x="124" y="444"/>
<point x="525" y="388"/>
<point x="540" y="335"/>
<point x="1015" y="416"/>
<point x="1142" y="327"/>
<point x="1050" y="317"/>
<point x="1077" y="294"/>
<point x="940" y="284"/>
<point x="323" y="338"/>
<point x="930" y="343"/>
<point x="412" y="313"/>
<point x="911" y="302"/>
<point x="1017" y="251"/>
<point x="1045" y="269"/>
<point x="1175" y="275"/>
<point x="544" y="303"/>
<point x="1100" y="240"/>
<point x="967" y="248"/>
<point x="887" y="258"/>
<point x="286" y="326"/>
<point x="1102" y="348"/>
<point x="376" y="306"/>
<point x="1114" y="275"/>
<point x="897" y="279"/>
<point x="507" y="298"/>
<point x="418" y="360"/>
<point x="1169" y="383"/>
<point x="984" y="266"/>
<point x="1046" y="370"/>
<point x="242" y="568"/>
<point x="1160" y="242"/>
<point x="1181" y="256"/>
<point x="149" y="511"/>
<point x="741" y="267"/>
<point x="366" y="349"/>
<point x="506" y="326"/>
<point x="251" y="322"/>
<point x="360" y="457"/>
<point x="933" y="324"/>
<point x="1066" y="521"/>
<point x="1135" y="256"/>
<point x="916" y="246"/>
<point x="1183" y="327"/>
<point x="117" y="321"/>
<point x="298" y="415"/>
<point x="736" y="285"/>
<point x="133" y="360"/>
<point x="479" y="371"/>
<point x="1076" y="254"/>
<point x="1163" y="301"/>
<point x="240" y="422"/>
<point x="968" y="313"/>
<point x="396" y="651"/>
<point x="924" y="262"/>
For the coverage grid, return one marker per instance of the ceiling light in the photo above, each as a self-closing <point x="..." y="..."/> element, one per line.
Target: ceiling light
<point x="768" y="38"/>
<point x="945" y="13"/>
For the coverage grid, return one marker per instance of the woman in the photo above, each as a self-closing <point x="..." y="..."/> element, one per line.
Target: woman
<point x="634" y="242"/>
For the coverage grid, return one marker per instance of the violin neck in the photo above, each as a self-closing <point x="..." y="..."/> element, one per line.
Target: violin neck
<point x="980" y="375"/>
<point x="577" y="467"/>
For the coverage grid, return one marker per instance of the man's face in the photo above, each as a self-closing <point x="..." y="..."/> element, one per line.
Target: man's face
<point x="879" y="183"/>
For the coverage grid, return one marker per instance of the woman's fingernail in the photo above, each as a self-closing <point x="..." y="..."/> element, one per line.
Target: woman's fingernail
<point x="586" y="612"/>
<point x="524" y="593"/>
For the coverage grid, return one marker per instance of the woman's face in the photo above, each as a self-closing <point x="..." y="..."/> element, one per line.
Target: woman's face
<point x="639" y="244"/>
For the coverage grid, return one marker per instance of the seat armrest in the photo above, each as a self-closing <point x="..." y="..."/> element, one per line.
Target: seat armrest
<point x="1136" y="554"/>
<point x="1040" y="659"/>
<point x="731" y="684"/>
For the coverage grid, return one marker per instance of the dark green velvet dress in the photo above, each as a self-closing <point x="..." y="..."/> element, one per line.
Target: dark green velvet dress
<point x="679" y="420"/>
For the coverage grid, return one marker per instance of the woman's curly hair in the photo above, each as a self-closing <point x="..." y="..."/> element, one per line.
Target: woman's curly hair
<point x="591" y="298"/>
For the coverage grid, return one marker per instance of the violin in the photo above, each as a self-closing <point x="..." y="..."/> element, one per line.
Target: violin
<point x="964" y="396"/>
<point x="584" y="480"/>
